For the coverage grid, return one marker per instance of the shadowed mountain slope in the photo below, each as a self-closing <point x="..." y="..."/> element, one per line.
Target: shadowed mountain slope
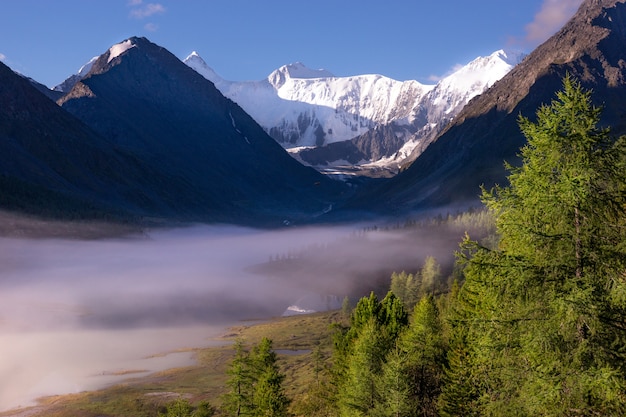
<point x="225" y="167"/>
<point x="472" y="149"/>
<point x="52" y="164"/>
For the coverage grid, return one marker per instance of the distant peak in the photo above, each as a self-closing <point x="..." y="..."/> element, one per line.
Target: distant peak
<point x="497" y="59"/>
<point x="299" y="70"/>
<point x="194" y="57"/>
<point x="296" y="70"/>
<point x="195" y="62"/>
<point x="510" y="57"/>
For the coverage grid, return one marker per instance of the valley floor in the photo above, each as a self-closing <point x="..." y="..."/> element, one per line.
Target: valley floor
<point x="293" y="338"/>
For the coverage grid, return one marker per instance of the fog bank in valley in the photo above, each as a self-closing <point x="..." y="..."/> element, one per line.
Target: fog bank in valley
<point x="73" y="312"/>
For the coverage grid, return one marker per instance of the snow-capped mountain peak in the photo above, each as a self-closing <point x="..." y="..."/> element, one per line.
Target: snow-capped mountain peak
<point x="493" y="66"/>
<point x="301" y="107"/>
<point x="114" y="51"/>
<point x="455" y="90"/>
<point x="509" y="56"/>
<point x="297" y="70"/>
<point x="195" y="61"/>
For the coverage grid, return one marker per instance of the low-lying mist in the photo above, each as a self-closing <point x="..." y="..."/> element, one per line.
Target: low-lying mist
<point x="73" y="312"/>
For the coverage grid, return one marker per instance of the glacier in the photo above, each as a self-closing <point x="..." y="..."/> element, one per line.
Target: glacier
<point x="303" y="108"/>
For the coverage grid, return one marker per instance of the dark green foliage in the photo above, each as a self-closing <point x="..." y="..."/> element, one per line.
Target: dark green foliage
<point x="390" y="365"/>
<point x="269" y="396"/>
<point x="539" y="323"/>
<point x="178" y="408"/>
<point x="424" y="349"/>
<point x="410" y="379"/>
<point x="360" y="353"/>
<point x="239" y="399"/>
<point x="366" y="309"/>
<point x="392" y="317"/>
<point x="255" y="383"/>
<point x="203" y="409"/>
<point x="358" y="394"/>
<point x="394" y="387"/>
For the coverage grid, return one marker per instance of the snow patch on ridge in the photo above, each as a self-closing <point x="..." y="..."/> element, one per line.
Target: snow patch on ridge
<point x="87" y="67"/>
<point x="118" y="49"/>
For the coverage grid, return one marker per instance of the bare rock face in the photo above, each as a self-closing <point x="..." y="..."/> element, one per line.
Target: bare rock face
<point x="472" y="149"/>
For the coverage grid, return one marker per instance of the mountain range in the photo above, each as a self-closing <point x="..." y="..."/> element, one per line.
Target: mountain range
<point x="368" y="120"/>
<point x="185" y="151"/>
<point x="138" y="134"/>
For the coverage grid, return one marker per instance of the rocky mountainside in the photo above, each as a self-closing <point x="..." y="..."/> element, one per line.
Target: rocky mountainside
<point x="141" y="135"/>
<point x="67" y="85"/>
<point x="314" y="114"/>
<point x="145" y="100"/>
<point x="471" y="150"/>
<point x="52" y="164"/>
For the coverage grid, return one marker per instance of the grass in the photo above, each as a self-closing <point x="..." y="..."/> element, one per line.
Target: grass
<point x="206" y="380"/>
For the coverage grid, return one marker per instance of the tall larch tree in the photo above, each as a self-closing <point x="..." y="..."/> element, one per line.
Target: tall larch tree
<point x="543" y="316"/>
<point x="239" y="399"/>
<point x="269" y="396"/>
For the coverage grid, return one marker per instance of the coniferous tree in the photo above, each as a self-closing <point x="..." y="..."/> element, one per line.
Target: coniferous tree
<point x="431" y="276"/>
<point x="269" y="398"/>
<point x="239" y="400"/>
<point x="541" y="318"/>
<point x="406" y="287"/>
<point x="393" y="318"/>
<point x="360" y="352"/>
<point x="178" y="408"/>
<point x="366" y="309"/>
<point x="358" y="395"/>
<point x="320" y="398"/>
<point x="203" y="409"/>
<point x="424" y="350"/>
<point x="393" y="386"/>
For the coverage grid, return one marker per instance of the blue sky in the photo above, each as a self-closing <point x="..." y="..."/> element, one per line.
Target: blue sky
<point x="247" y="39"/>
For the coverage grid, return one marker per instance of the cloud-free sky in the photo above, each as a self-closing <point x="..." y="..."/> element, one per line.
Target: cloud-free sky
<point x="247" y="39"/>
